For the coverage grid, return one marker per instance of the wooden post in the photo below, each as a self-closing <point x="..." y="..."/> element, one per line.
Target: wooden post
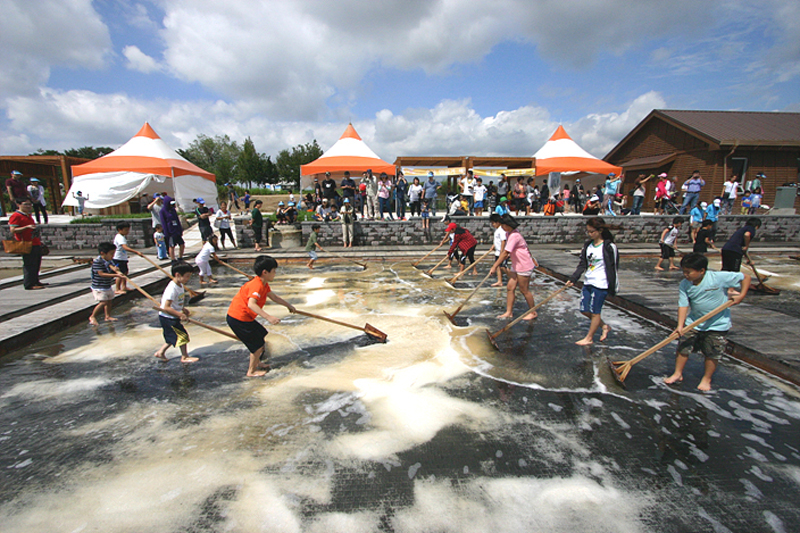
<point x="65" y="177"/>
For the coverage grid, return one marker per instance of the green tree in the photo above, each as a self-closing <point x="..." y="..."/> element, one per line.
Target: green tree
<point x="289" y="161"/>
<point x="88" y="152"/>
<point x="218" y="155"/>
<point x="253" y="167"/>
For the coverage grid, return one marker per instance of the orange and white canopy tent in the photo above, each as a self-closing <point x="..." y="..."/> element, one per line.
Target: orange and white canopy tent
<point x="348" y="153"/>
<point x="562" y="154"/>
<point x="143" y="164"/>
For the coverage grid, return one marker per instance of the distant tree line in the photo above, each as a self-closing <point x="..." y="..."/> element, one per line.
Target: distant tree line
<point x="230" y="162"/>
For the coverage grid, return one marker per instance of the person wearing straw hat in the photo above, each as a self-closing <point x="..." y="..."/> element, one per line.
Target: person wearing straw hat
<point x="522" y="266"/>
<point x="702" y="291"/>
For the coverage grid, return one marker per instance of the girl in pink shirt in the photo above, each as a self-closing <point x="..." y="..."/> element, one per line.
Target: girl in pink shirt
<point x="522" y="265"/>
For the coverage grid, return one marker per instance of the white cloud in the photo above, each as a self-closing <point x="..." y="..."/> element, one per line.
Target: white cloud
<point x="138" y="60"/>
<point x="35" y="36"/>
<point x="290" y="58"/>
<point x="64" y="119"/>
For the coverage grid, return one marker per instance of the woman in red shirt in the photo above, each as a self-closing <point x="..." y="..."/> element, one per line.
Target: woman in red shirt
<point x="24" y="229"/>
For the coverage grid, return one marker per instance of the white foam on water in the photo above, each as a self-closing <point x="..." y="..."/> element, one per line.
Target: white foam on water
<point x="344" y="523"/>
<point x="750" y="489"/>
<point x="45" y="389"/>
<point x="715" y="524"/>
<point x="756" y="438"/>
<point x="314" y="283"/>
<point x="521" y="505"/>
<point x="756" y="471"/>
<point x="774" y="522"/>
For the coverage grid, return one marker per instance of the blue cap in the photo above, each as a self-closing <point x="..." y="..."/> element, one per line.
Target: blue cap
<point x="611" y="175"/>
<point x="200" y="201"/>
<point x="430" y="173"/>
<point x="34" y="179"/>
<point x="347" y="200"/>
<point x="280" y="203"/>
<point x="16" y="173"/>
<point x="291" y="204"/>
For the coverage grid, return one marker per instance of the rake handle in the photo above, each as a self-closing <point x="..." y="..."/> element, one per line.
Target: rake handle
<point x="753" y="266"/>
<point x="326" y="319"/>
<point x="529" y="311"/>
<point x="471" y="295"/>
<point x="473" y="265"/>
<point x="426" y="255"/>
<point x="429" y="272"/>
<point x="203" y="325"/>
<point x="170" y="276"/>
<point x="674" y="335"/>
<point x="234" y="268"/>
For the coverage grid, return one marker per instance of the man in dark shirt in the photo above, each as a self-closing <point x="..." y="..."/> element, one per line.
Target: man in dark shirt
<point x="348" y="187"/>
<point x="329" y="188"/>
<point x="17" y="190"/>
<point x="203" y="219"/>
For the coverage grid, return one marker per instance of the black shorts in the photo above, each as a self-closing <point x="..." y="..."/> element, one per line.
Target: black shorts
<point x="121" y="265"/>
<point x="176" y="240"/>
<point x="250" y="333"/>
<point x="667" y="251"/>
<point x="731" y="261"/>
<point x="257" y="231"/>
<point x="172" y="328"/>
<point x="469" y="254"/>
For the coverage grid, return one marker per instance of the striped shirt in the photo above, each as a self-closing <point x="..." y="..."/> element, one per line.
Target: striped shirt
<point x="100" y="282"/>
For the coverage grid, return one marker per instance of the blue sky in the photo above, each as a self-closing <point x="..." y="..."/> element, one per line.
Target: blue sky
<point x="415" y="77"/>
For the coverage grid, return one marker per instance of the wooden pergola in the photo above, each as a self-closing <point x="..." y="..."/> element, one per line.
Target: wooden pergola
<point x="46" y="169"/>
<point x="465" y="162"/>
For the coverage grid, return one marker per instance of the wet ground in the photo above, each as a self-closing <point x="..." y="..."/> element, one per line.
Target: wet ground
<point x="783" y="274"/>
<point x="433" y="431"/>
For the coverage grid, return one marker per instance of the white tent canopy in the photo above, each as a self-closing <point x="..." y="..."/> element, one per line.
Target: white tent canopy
<point x="144" y="164"/>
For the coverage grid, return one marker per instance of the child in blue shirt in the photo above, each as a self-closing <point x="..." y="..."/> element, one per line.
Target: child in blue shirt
<point x="161" y="242"/>
<point x="702" y="291"/>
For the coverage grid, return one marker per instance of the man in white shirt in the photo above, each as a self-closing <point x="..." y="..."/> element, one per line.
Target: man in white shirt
<point x="468" y="191"/>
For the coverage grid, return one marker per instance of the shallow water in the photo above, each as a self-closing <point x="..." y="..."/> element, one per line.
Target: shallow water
<point x="432" y="431"/>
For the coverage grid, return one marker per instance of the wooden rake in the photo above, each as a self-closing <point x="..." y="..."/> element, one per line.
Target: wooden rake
<point x="243" y="273"/>
<point x="493" y="336"/>
<point x="760" y="286"/>
<point x="620" y="369"/>
<point x="426" y="255"/>
<point x="194" y="297"/>
<point x="451" y="317"/>
<point x="429" y="273"/>
<point x="372" y="331"/>
<point x="158" y="307"/>
<point x="473" y="265"/>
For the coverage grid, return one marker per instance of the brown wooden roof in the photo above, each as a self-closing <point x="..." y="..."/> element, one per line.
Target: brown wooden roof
<point x="729" y="128"/>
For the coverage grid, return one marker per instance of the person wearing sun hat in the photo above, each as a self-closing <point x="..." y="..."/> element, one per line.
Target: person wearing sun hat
<point x="203" y="219"/>
<point x="502" y="206"/>
<point x="291" y="213"/>
<point x="280" y="213"/>
<point x="36" y="194"/>
<point x="16" y="189"/>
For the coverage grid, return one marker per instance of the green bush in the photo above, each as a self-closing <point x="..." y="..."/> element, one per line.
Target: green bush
<point x="97" y="219"/>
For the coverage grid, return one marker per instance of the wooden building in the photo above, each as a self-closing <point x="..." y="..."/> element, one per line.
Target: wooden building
<point x="461" y="164"/>
<point x="718" y="144"/>
<point x="53" y="171"/>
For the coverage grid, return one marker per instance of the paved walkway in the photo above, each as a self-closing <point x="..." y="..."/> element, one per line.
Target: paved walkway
<point x="765" y="338"/>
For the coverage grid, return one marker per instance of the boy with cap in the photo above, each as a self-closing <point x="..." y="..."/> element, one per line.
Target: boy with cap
<point x="203" y="219"/>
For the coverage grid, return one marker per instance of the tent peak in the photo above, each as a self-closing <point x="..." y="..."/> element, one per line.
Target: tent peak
<point x="350" y="133"/>
<point x="560" y="133"/>
<point x="147" y="131"/>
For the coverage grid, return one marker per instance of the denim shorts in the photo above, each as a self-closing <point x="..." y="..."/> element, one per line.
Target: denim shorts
<point x="592" y="299"/>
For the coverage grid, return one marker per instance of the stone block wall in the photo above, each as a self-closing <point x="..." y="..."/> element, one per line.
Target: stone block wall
<point x="89" y="236"/>
<point x="546" y="230"/>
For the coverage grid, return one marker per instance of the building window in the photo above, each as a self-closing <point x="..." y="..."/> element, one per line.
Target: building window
<point x="739" y="168"/>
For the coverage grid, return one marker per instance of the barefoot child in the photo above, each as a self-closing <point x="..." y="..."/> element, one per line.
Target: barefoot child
<point x="522" y="265"/>
<point x="667" y="242"/>
<point x="702" y="291"/>
<point x="121" y="255"/>
<point x="208" y="251"/>
<point x="173" y="312"/>
<point x="102" y="279"/>
<point x="599" y="261"/>
<point x="248" y="304"/>
<point x="312" y="245"/>
<point x="499" y="246"/>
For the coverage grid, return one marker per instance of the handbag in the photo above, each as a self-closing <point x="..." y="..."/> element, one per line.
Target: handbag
<point x="45" y="250"/>
<point x="17" y="247"/>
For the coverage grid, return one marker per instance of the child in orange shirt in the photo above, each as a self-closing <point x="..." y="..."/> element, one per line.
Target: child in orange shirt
<point x="248" y="304"/>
